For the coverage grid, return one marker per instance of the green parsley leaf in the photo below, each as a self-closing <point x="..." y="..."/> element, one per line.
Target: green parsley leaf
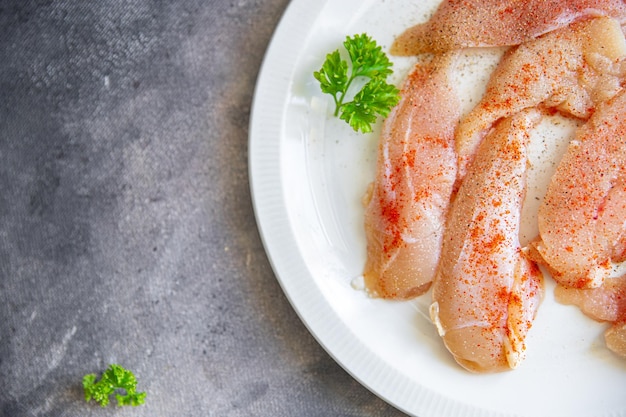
<point x="376" y="97"/>
<point x="333" y="76"/>
<point x="114" y="378"/>
<point x="368" y="59"/>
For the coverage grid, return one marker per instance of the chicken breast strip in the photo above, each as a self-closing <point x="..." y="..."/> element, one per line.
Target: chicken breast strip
<point x="570" y="70"/>
<point x="582" y="222"/>
<point x="605" y="304"/>
<point x="408" y="202"/>
<point x="459" y="24"/>
<point x="487" y="291"/>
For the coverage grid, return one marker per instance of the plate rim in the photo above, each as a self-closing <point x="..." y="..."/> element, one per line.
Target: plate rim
<point x="270" y="205"/>
<point x="271" y="215"/>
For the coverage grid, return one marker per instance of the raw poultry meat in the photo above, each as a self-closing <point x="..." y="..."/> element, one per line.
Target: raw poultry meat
<point x="459" y="24"/>
<point x="487" y="291"/>
<point x="569" y="70"/>
<point x="408" y="202"/>
<point x="606" y="304"/>
<point x="582" y="226"/>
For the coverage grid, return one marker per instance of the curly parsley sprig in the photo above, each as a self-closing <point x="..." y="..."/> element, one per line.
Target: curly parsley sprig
<point x="114" y="378"/>
<point x="376" y="97"/>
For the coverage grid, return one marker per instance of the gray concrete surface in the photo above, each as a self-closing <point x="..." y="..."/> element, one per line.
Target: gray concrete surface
<point x="127" y="233"/>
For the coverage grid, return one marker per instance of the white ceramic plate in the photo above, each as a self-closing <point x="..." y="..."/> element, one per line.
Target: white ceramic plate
<point x="308" y="173"/>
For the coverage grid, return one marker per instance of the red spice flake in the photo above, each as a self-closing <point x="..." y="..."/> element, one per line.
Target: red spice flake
<point x="515" y="299"/>
<point x="391" y="215"/>
<point x="476" y="232"/>
<point x="507" y="10"/>
<point x="422" y="194"/>
<point x="495" y="242"/>
<point x="395" y="243"/>
<point x="580" y="283"/>
<point x="410" y="158"/>
<point x="390" y="212"/>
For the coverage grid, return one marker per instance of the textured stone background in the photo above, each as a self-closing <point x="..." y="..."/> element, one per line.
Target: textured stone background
<point x="126" y="227"/>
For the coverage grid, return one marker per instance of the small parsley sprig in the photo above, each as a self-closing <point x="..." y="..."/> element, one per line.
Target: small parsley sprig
<point x="114" y="378"/>
<point x="376" y="97"/>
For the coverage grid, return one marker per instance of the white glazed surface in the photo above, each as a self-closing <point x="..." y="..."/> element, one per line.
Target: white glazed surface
<point x="309" y="172"/>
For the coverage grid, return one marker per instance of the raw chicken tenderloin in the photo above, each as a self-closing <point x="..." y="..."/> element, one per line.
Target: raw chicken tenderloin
<point x="582" y="219"/>
<point x="487" y="291"/>
<point x="407" y="204"/>
<point x="570" y="70"/>
<point x="611" y="230"/>
<point x="605" y="304"/>
<point x="460" y="24"/>
<point x="615" y="338"/>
